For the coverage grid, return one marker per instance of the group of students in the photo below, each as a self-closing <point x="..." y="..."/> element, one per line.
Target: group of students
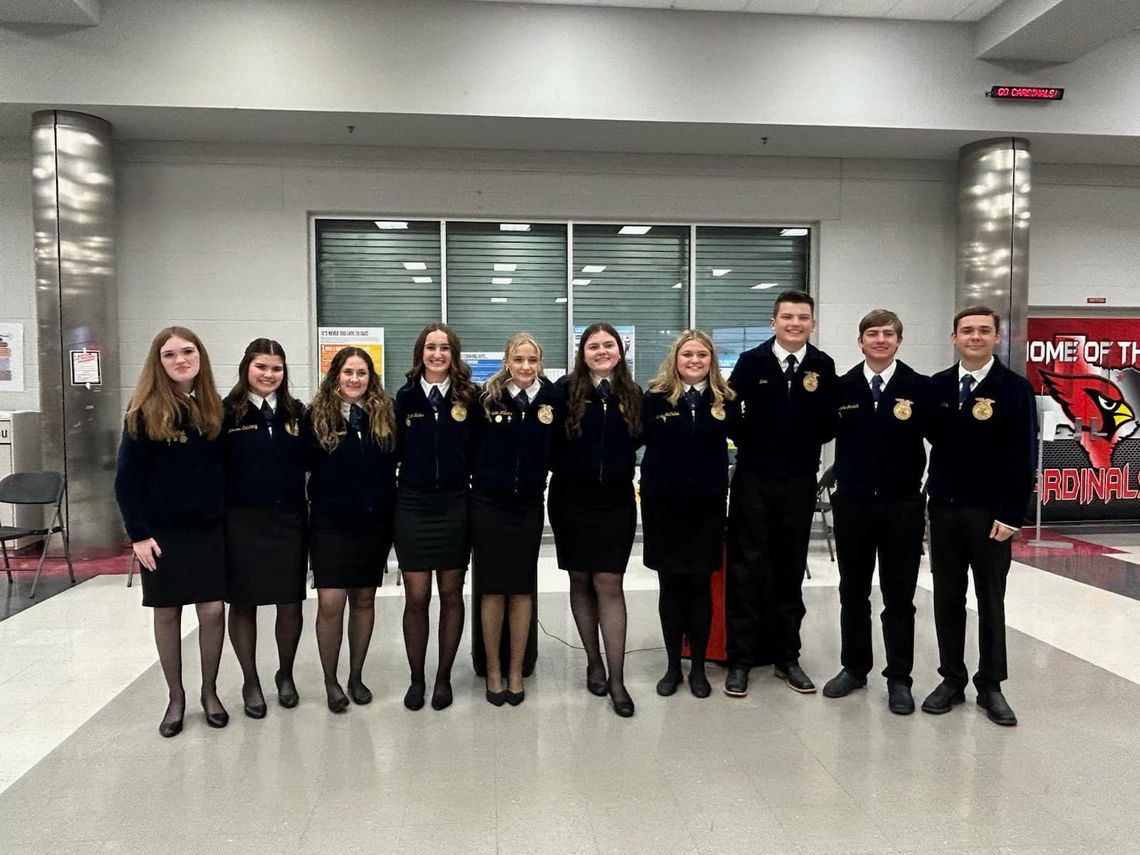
<point x="232" y="500"/>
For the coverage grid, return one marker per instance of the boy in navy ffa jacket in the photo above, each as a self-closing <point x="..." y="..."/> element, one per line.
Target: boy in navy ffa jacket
<point x="981" y="477"/>
<point x="883" y="415"/>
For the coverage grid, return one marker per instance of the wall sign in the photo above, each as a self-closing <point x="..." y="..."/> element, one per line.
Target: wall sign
<point x="332" y="339"/>
<point x="11" y="357"/>
<point x="86" y="368"/>
<point x="1026" y="93"/>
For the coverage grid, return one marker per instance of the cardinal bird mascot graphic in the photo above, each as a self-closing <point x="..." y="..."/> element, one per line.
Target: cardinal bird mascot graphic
<point x="1098" y="405"/>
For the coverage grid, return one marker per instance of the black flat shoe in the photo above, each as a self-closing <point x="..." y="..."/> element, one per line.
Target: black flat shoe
<point x="337" y="700"/>
<point x="624" y="705"/>
<point x="699" y="684"/>
<point x="944" y="698"/>
<point x="792" y="674"/>
<point x="597" y="685"/>
<point x="414" y="697"/>
<point x="253" y="710"/>
<point x="668" y="684"/>
<point x="288" y="699"/>
<point x="216" y="719"/>
<point x="843" y="684"/>
<point x="736" y="683"/>
<point x="441" y="697"/>
<point x="515" y="698"/>
<point x="170" y="726"/>
<point x="997" y="708"/>
<point x="498" y="698"/>
<point x="899" y="699"/>
<point x="360" y="693"/>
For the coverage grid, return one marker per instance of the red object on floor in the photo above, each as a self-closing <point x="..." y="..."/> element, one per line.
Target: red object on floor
<point x="717" y="650"/>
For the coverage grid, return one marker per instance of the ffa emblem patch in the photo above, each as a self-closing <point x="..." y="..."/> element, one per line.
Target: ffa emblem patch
<point x="811" y="381"/>
<point x="983" y="409"/>
<point x="458" y="413"/>
<point x="902" y="409"/>
<point x="546" y="414"/>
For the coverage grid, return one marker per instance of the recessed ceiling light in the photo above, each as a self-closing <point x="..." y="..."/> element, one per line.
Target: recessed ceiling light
<point x="678" y="285"/>
<point x="762" y="286"/>
<point x="634" y="230"/>
<point x="559" y="299"/>
<point x="390" y="224"/>
<point x="514" y="227"/>
<point x="422" y="280"/>
<point x="793" y="232"/>
<point x="582" y="282"/>
<point x="721" y="271"/>
<point x="500" y="280"/>
<point x="415" y="265"/>
<point x="498" y="299"/>
<point x="593" y="268"/>
<point x="502" y="267"/>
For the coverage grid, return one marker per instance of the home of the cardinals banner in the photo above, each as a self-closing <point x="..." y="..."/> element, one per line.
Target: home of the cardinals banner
<point x="1088" y="372"/>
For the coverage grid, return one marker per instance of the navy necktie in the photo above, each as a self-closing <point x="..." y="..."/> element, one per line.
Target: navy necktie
<point x="964" y="387"/>
<point x="435" y="398"/>
<point x="692" y="397"/>
<point x="521" y="401"/>
<point x="356" y="418"/>
<point x="266" y="413"/>
<point x="876" y="388"/>
<point x="790" y="371"/>
<point x="604" y="389"/>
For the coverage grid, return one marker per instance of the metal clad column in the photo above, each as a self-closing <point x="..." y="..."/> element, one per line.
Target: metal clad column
<point x="77" y="306"/>
<point x="993" y="237"/>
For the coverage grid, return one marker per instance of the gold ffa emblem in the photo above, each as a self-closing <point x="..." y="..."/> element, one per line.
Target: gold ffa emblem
<point x="546" y="414"/>
<point x="458" y="413"/>
<point x="717" y="412"/>
<point x="983" y="409"/>
<point x="292" y="428"/>
<point x="811" y="381"/>
<point x="902" y="409"/>
<point x="498" y="418"/>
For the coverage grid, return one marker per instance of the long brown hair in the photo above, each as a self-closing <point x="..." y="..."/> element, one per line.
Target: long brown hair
<point x="463" y="391"/>
<point x="157" y="406"/>
<point x="328" y="421"/>
<point x="238" y="398"/>
<point x="580" y="385"/>
<point x="668" y="380"/>
<point x="493" y="388"/>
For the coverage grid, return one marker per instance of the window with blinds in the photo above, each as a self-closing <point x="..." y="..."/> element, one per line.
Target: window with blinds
<point x="739" y="273"/>
<point x="505" y="280"/>
<point x="638" y="281"/>
<point x="382" y="273"/>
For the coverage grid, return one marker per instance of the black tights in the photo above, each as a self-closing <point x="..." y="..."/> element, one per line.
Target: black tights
<point x="685" y="606"/>
<point x="417" y="600"/>
<point x="243" y="637"/>
<point x="168" y="640"/>
<point x="598" y="601"/>
<point x="330" y="629"/>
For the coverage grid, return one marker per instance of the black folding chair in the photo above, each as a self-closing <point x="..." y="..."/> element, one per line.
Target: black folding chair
<point x="823" y="508"/>
<point x="35" y="488"/>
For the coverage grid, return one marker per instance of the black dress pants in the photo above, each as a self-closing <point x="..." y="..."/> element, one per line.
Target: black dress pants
<point x="891" y="530"/>
<point x="769" y="523"/>
<point x="959" y="542"/>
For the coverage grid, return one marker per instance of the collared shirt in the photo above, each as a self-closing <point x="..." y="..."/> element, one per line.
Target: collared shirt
<point x="443" y="387"/>
<point x="513" y="389"/>
<point x="257" y="401"/>
<point x="887" y="373"/>
<point x="700" y="387"/>
<point x="979" y="374"/>
<point x="595" y="379"/>
<point x="782" y="355"/>
<point x="345" y="409"/>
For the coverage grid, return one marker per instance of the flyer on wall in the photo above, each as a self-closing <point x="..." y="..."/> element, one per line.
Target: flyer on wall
<point x="11" y="357"/>
<point x="332" y="339"/>
<point x="1087" y="372"/>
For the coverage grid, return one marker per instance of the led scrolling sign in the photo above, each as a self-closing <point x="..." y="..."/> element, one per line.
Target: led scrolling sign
<point x="1026" y="93"/>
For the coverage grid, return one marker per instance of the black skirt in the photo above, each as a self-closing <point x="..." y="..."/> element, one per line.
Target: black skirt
<point x="431" y="530"/>
<point x="506" y="533"/>
<point x="682" y="534"/>
<point x="192" y="568"/>
<point x="593" y="525"/>
<point x="350" y="550"/>
<point x="266" y="557"/>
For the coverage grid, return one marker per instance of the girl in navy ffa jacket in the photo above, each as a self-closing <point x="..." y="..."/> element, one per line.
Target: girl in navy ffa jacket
<point x="521" y="412"/>
<point x="435" y="410"/>
<point x="684" y="488"/>
<point x="169" y="489"/>
<point x="592" y="507"/>
<point x="264" y="464"/>
<point x="351" y="447"/>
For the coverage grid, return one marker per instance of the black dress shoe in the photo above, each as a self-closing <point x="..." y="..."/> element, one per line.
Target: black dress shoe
<point x="496" y="698"/>
<point x="414" y="697"/>
<point x="944" y="698"/>
<point x="360" y="693"/>
<point x="736" y="683"/>
<point x="170" y="726"/>
<point x="622" y="702"/>
<point x="843" y="684"/>
<point x="337" y="699"/>
<point x="699" y="684"/>
<point x="899" y="699"/>
<point x="441" y="697"/>
<point x="216" y="719"/>
<point x="997" y="708"/>
<point x="596" y="684"/>
<point x="515" y="698"/>
<point x="668" y="684"/>
<point x="253" y="710"/>
<point x="287" y="699"/>
<point x="792" y="674"/>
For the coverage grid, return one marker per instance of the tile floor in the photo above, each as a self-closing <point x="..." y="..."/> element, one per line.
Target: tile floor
<point x="82" y="768"/>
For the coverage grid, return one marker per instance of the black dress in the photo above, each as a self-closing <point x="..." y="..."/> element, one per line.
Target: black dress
<point x="431" y="526"/>
<point x="351" y="495"/>
<point x="264" y="465"/>
<point x="592" y="507"/>
<point x="684" y="482"/>
<point x="511" y="461"/>
<point x="171" y="490"/>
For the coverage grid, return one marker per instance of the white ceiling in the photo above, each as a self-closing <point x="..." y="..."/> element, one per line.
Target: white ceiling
<point x="50" y="12"/>
<point x="914" y="10"/>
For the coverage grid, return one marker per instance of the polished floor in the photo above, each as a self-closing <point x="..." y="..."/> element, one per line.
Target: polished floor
<point x="82" y="768"/>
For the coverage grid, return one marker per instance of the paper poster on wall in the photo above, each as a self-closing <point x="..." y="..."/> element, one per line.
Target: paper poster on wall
<point x="86" y="368"/>
<point x="483" y="364"/>
<point x="627" y="339"/>
<point x="1087" y="372"/>
<point x="332" y="339"/>
<point x="11" y="357"/>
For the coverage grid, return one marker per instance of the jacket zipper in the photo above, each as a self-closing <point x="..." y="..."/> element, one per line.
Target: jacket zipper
<point x="436" y="441"/>
<point x="518" y="451"/>
<point x="602" y="460"/>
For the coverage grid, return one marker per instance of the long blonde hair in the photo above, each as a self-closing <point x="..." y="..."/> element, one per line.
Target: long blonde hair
<point x="157" y="406"/>
<point x="328" y="421"/>
<point x="493" y="388"/>
<point x="669" y="381"/>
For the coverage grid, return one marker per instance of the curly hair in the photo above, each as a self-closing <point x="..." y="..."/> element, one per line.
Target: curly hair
<point x="328" y="421"/>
